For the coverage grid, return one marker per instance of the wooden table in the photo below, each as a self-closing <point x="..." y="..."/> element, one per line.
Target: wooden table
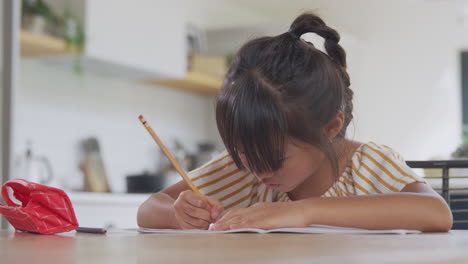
<point x="127" y="246"/>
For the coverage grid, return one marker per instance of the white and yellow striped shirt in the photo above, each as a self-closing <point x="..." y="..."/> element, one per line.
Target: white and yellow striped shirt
<point x="374" y="169"/>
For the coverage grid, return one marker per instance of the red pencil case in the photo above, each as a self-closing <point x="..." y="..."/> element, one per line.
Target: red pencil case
<point x="43" y="209"/>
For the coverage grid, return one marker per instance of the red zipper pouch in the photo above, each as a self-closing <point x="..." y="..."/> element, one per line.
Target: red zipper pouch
<point x="37" y="208"/>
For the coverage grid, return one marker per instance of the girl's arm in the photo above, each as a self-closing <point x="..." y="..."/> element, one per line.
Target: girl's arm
<point x="416" y="207"/>
<point x="158" y="210"/>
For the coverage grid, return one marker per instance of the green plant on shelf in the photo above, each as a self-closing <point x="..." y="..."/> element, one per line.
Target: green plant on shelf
<point x="41" y="9"/>
<point x="73" y="32"/>
<point x="229" y="58"/>
<point x="67" y="26"/>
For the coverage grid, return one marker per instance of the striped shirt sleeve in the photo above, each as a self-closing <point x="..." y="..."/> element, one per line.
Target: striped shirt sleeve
<point x="379" y="169"/>
<point x="234" y="188"/>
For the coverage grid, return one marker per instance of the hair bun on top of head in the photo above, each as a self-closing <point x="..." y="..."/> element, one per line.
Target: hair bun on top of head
<point x="311" y="23"/>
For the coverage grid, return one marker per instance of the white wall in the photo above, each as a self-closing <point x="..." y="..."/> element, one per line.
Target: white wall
<point x="407" y="83"/>
<point x="148" y="35"/>
<point x="56" y="108"/>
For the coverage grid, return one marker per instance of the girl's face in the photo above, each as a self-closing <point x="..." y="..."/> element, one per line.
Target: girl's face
<point x="301" y="162"/>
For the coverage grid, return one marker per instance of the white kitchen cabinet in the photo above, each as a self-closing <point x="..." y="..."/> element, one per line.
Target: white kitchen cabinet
<point x="137" y="40"/>
<point x="145" y="34"/>
<point x="106" y="209"/>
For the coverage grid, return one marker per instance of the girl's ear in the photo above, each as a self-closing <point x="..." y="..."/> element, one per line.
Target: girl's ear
<point x="334" y="126"/>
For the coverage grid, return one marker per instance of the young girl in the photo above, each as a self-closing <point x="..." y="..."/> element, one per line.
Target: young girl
<point x="282" y="114"/>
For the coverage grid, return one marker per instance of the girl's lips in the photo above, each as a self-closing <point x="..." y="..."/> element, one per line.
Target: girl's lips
<point x="272" y="185"/>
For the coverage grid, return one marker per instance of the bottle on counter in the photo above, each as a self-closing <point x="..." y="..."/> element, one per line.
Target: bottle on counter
<point x="34" y="168"/>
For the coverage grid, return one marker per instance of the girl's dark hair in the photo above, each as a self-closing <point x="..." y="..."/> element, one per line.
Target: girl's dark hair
<point x="283" y="87"/>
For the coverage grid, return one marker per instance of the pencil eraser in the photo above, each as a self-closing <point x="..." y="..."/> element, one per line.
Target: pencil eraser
<point x="140" y="117"/>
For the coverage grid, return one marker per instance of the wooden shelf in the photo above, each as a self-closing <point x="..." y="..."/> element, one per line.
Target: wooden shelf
<point x="194" y="82"/>
<point x="33" y="45"/>
<point x="40" y="45"/>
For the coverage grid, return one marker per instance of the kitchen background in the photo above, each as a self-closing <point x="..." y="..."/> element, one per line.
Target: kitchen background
<point x="89" y="68"/>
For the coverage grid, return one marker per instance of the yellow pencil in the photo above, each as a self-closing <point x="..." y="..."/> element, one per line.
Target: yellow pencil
<point x="169" y="156"/>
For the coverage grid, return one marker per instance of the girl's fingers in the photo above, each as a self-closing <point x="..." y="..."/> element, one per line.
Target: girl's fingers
<point x="196" y="212"/>
<point x="185" y="225"/>
<point x="214" y="203"/>
<point x="195" y="199"/>
<point x="189" y="222"/>
<point x="198" y="206"/>
<point x="225" y="225"/>
<point x="232" y="217"/>
<point x="230" y="214"/>
<point x="216" y="208"/>
<point x="240" y="225"/>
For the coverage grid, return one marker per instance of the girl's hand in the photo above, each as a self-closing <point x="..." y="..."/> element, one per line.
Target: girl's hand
<point x="194" y="211"/>
<point x="263" y="215"/>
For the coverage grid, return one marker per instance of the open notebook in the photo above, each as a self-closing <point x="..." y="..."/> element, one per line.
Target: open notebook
<point x="312" y="229"/>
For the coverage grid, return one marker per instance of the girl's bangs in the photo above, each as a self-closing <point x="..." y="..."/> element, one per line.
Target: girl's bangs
<point x="252" y="126"/>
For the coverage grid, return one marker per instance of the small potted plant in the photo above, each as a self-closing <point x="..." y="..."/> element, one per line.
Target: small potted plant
<point x="462" y="150"/>
<point x="38" y="17"/>
<point x="461" y="153"/>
